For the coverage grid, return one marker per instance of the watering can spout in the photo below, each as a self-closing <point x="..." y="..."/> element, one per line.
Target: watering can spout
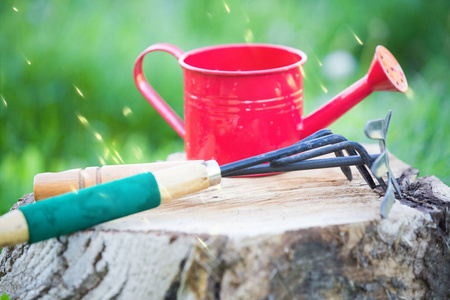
<point x="385" y="74"/>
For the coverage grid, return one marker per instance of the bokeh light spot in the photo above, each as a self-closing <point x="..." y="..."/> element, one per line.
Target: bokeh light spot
<point x="83" y="120"/>
<point x="126" y="111"/>
<point x="78" y="91"/>
<point x="226" y="7"/>
<point x="356" y="37"/>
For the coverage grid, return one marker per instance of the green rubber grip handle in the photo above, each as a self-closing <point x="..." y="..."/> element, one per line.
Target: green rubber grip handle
<point x="82" y="209"/>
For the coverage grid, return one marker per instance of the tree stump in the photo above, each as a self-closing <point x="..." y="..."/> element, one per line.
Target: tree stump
<point x="298" y="235"/>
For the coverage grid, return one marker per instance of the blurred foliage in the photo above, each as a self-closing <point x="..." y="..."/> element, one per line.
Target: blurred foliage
<point x="4" y="297"/>
<point x="68" y="98"/>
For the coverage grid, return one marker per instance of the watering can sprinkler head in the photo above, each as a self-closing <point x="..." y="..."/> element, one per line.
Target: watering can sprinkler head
<point x="385" y="74"/>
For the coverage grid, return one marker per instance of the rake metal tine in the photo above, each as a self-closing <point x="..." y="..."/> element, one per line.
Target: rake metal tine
<point x="302" y="165"/>
<point x="352" y="150"/>
<point x="377" y="129"/>
<point x="385" y="130"/>
<point x="330" y="144"/>
<point x="395" y="183"/>
<point x="363" y="170"/>
<point x="387" y="203"/>
<point x="374" y="129"/>
<point x="379" y="166"/>
<point x="320" y="143"/>
<point x="308" y="149"/>
<point x="326" y="132"/>
<point x="316" y="135"/>
<point x="386" y="123"/>
<point x="345" y="169"/>
<point x="313" y="148"/>
<point x="300" y="146"/>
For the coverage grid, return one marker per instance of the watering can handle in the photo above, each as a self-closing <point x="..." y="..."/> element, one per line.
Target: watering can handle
<point x="151" y="95"/>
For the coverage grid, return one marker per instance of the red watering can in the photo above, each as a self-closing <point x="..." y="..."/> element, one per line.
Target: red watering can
<point x="246" y="99"/>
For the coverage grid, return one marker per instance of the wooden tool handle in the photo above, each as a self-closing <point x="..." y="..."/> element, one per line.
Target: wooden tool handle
<point x="48" y="185"/>
<point x="78" y="210"/>
<point x="13" y="229"/>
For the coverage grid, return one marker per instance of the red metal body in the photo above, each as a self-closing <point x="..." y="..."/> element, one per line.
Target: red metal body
<point x="242" y="100"/>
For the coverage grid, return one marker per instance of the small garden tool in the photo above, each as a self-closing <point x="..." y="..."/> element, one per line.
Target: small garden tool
<point x="80" y="209"/>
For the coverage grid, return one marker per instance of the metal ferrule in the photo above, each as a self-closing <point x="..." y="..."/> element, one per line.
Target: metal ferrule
<point x="213" y="171"/>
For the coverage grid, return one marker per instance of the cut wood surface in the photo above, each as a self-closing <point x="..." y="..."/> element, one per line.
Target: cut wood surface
<point x="298" y="235"/>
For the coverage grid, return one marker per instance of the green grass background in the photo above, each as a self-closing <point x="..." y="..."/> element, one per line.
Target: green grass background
<point x="49" y="48"/>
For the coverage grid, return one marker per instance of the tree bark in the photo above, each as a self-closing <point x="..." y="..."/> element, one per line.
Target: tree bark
<point x="298" y="235"/>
